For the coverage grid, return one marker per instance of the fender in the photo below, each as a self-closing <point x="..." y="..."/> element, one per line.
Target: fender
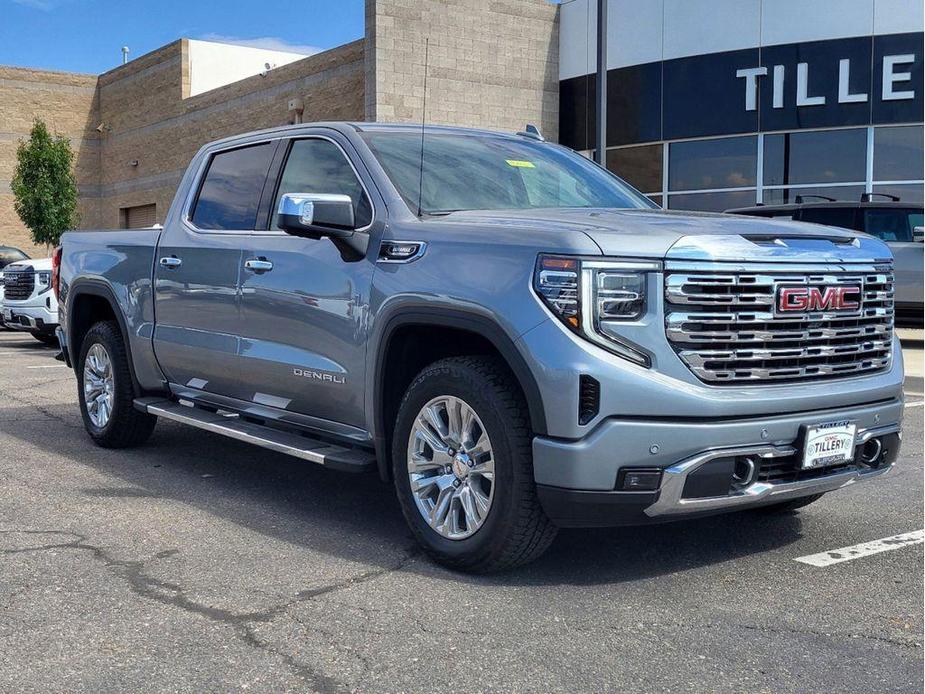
<point x="449" y="318"/>
<point x="98" y="288"/>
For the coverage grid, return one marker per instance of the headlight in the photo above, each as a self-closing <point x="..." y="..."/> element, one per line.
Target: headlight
<point x="43" y="279"/>
<point x="590" y="296"/>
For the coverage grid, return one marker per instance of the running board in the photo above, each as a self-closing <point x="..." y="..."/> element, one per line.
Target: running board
<point x="231" y="425"/>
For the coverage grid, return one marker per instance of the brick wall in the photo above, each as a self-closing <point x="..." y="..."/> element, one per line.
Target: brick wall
<point x="68" y="104"/>
<point x="492" y="63"/>
<point x="155" y="123"/>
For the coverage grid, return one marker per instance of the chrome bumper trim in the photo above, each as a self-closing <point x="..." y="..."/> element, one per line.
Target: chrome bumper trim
<point x="670" y="501"/>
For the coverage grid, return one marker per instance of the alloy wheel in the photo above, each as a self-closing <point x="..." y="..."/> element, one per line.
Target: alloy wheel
<point x="451" y="467"/>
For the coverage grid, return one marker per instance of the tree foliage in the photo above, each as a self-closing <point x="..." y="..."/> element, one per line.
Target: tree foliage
<point x="44" y="185"/>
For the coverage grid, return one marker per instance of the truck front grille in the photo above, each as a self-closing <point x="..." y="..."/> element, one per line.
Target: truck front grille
<point x="18" y="285"/>
<point x="727" y="326"/>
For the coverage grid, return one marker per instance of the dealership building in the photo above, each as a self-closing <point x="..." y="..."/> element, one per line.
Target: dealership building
<point x="712" y="104"/>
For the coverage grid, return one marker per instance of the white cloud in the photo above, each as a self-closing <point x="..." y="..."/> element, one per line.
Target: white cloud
<point x="270" y="43"/>
<point x="43" y="5"/>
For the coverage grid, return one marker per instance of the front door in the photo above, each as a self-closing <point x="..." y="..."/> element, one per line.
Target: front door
<point x="196" y="277"/>
<point x="303" y="307"/>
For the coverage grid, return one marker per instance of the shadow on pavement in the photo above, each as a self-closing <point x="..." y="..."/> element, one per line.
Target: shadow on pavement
<point x="356" y="517"/>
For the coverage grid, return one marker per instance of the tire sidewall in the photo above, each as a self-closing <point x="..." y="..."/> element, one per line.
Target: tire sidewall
<point x="104" y="339"/>
<point x="457" y="381"/>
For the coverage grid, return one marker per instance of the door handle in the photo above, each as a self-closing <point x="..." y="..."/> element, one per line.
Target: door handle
<point x="258" y="265"/>
<point x="171" y="263"/>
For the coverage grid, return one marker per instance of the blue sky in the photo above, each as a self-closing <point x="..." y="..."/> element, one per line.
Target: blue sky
<point x="87" y="35"/>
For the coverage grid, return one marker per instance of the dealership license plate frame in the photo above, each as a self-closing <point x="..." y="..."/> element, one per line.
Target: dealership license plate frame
<point x="845" y="430"/>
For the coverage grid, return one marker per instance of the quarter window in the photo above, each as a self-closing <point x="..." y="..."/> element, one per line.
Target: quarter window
<point x="319" y="166"/>
<point x="230" y="194"/>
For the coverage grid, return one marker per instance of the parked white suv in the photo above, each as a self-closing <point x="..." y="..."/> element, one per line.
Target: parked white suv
<point x="29" y="304"/>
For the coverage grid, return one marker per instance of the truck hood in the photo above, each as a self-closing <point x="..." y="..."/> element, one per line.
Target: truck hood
<point x="38" y="264"/>
<point x="691" y="235"/>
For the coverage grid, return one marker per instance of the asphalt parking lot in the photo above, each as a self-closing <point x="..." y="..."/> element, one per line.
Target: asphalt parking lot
<point x="199" y="564"/>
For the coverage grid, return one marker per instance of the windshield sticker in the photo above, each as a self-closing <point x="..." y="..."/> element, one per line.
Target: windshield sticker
<point x="519" y="164"/>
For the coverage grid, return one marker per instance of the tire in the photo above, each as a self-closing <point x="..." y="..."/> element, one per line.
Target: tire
<point x="46" y="338"/>
<point x="125" y="426"/>
<point x="788" y="506"/>
<point x="514" y="530"/>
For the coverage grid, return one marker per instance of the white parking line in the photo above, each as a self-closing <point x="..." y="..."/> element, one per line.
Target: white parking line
<point x="837" y="556"/>
<point x="48" y="366"/>
<point x="914" y="404"/>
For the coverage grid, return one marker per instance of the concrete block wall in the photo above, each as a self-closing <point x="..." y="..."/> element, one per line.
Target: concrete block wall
<point x="68" y="104"/>
<point x="492" y="63"/>
<point x="155" y="122"/>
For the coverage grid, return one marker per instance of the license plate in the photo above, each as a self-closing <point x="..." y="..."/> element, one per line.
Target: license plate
<point x="8" y="316"/>
<point x="829" y="444"/>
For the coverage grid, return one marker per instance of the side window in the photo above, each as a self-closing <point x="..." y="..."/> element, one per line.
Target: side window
<point x="230" y="193"/>
<point x="833" y="216"/>
<point x="319" y="166"/>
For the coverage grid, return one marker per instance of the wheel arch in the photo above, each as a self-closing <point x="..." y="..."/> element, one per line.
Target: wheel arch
<point x="480" y="329"/>
<point x="99" y="303"/>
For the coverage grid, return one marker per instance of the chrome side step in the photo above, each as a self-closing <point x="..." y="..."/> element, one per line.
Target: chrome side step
<point x="231" y="425"/>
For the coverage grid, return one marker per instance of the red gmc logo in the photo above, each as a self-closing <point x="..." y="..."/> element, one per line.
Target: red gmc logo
<point x="792" y="299"/>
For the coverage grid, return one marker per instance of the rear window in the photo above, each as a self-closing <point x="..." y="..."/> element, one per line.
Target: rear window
<point x="843" y="217"/>
<point x="230" y="193"/>
<point x="892" y="224"/>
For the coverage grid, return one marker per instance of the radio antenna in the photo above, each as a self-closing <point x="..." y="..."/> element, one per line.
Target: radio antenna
<point x="423" y="122"/>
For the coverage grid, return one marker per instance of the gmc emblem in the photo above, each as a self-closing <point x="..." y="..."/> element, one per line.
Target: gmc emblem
<point x="803" y="299"/>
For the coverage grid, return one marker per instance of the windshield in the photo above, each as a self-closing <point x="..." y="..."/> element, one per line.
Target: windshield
<point x="890" y="224"/>
<point x="11" y="255"/>
<point x="477" y="172"/>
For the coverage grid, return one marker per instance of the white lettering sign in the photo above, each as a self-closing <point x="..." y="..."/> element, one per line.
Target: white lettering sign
<point x="891" y="77"/>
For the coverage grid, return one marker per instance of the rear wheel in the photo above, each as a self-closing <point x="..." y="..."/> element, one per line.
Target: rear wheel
<point x="104" y="387"/>
<point x="463" y="469"/>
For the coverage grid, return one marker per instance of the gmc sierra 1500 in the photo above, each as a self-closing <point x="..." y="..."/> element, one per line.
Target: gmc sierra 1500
<point x="509" y="333"/>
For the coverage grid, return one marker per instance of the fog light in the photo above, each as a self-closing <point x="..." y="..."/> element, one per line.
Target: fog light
<point x="639" y="480"/>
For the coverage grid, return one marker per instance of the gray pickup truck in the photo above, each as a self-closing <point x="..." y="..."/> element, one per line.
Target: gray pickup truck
<point x="511" y="335"/>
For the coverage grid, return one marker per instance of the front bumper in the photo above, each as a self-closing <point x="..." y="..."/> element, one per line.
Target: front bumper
<point x="577" y="480"/>
<point x="32" y="318"/>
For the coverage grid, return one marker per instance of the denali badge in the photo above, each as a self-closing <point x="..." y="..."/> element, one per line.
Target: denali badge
<point x="839" y="298"/>
<point x="320" y="376"/>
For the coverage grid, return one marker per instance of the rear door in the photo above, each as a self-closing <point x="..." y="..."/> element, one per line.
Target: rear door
<point x="304" y="307"/>
<point x="197" y="272"/>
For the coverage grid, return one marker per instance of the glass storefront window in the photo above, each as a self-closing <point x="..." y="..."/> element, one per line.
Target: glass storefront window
<point x="785" y="196"/>
<point x="712" y="202"/>
<point x="729" y="162"/>
<point x="641" y="167"/>
<point x="898" y="153"/>
<point x="831" y="156"/>
<point x="906" y="192"/>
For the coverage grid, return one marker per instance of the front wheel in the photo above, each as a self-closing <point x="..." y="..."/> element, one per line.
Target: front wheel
<point x="104" y="387"/>
<point x="463" y="468"/>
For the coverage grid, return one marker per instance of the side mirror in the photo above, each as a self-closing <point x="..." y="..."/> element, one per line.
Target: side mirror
<point x="918" y="234"/>
<point x="316" y="215"/>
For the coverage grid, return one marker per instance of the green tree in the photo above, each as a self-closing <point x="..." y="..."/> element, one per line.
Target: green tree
<point x="44" y="185"/>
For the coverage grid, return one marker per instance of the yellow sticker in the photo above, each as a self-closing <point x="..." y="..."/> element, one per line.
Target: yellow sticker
<point x="517" y="163"/>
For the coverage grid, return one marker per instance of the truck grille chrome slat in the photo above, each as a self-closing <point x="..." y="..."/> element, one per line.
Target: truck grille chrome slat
<point x="18" y="285"/>
<point x="725" y="326"/>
